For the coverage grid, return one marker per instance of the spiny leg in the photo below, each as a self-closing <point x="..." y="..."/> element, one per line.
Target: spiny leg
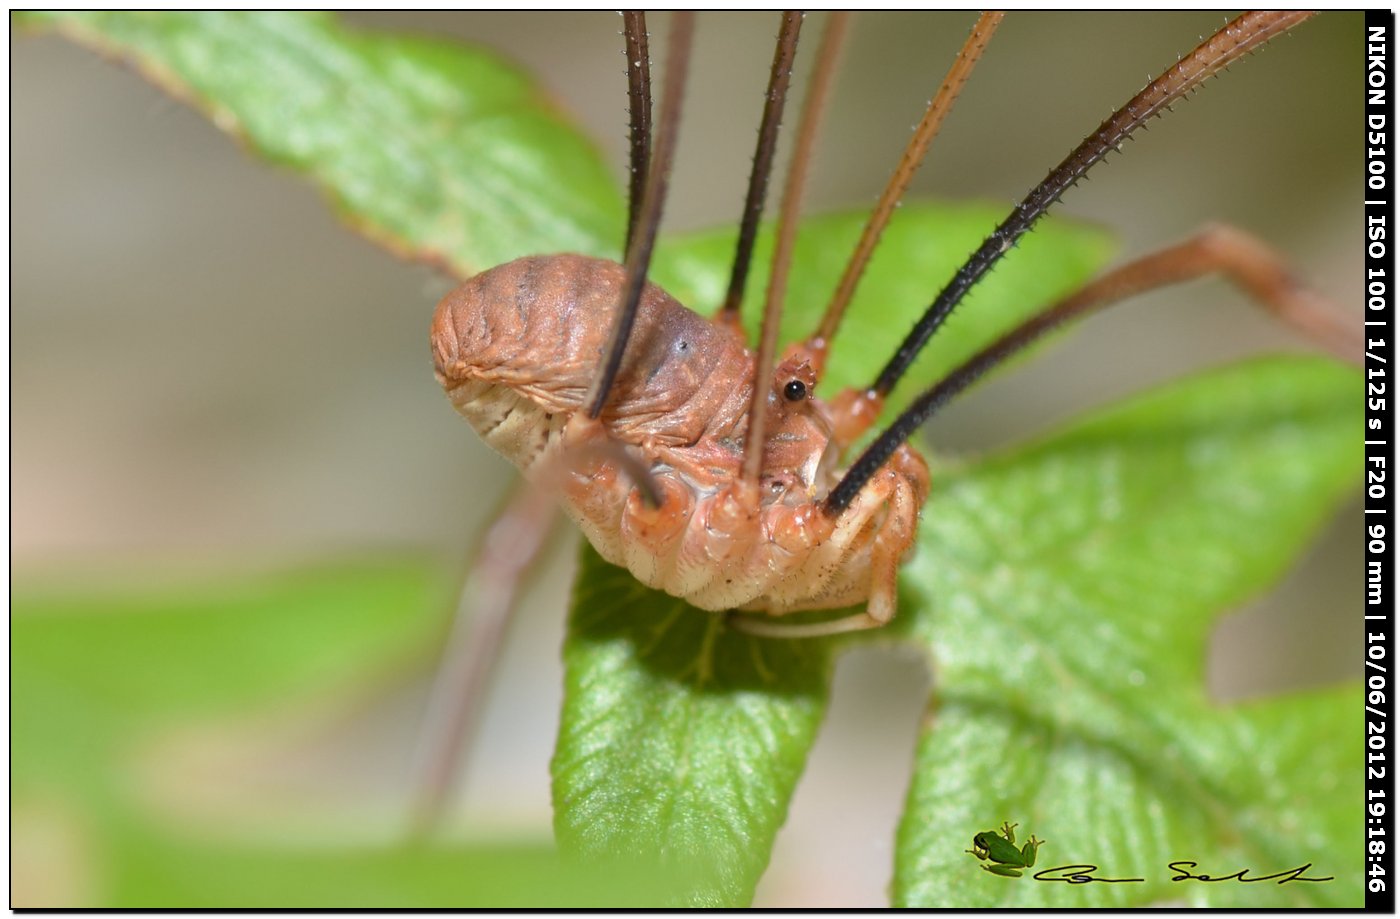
<point x="833" y="37"/>
<point x="1254" y="267"/>
<point x="634" y="30"/>
<point x="1244" y="260"/>
<point x="775" y="100"/>
<point x="1237" y="39"/>
<point x="639" y="252"/>
<point x="909" y="162"/>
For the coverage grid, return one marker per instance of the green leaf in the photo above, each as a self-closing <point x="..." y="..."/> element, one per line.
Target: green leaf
<point x="98" y="666"/>
<point x="1066" y="591"/>
<point x="99" y="675"/>
<point x="152" y="871"/>
<point x="441" y="151"/>
<point x="681" y="740"/>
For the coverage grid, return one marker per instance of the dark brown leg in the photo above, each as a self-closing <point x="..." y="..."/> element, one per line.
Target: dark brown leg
<point x="639" y="252"/>
<point x="775" y="100"/>
<point x="1241" y="258"/>
<point x="634" y="30"/>
<point x="1239" y="38"/>
<point x="819" y="86"/>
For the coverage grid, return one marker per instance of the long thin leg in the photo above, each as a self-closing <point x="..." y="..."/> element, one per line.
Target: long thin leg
<point x="1242" y="259"/>
<point x="488" y="595"/>
<point x="639" y="115"/>
<point x="833" y="37"/>
<point x="775" y="100"/>
<point x="1239" y="38"/>
<point x="909" y="163"/>
<point x="639" y="253"/>
<point x="634" y="30"/>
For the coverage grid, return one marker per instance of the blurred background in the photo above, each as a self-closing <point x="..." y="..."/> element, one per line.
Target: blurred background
<point x="212" y="375"/>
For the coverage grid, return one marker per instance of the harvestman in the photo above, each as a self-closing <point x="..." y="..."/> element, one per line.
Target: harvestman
<point x="712" y="471"/>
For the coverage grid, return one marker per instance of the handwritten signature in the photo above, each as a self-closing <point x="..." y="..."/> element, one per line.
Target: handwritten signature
<point x="1182" y="871"/>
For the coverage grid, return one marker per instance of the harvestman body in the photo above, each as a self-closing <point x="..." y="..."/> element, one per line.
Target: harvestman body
<point x="681" y="401"/>
<point x="712" y="471"/>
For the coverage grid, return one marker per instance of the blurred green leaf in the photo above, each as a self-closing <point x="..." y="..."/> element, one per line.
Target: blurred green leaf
<point x="441" y="151"/>
<point x="96" y="664"/>
<point x="1066" y="591"/>
<point x="98" y="671"/>
<point x="157" y="872"/>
